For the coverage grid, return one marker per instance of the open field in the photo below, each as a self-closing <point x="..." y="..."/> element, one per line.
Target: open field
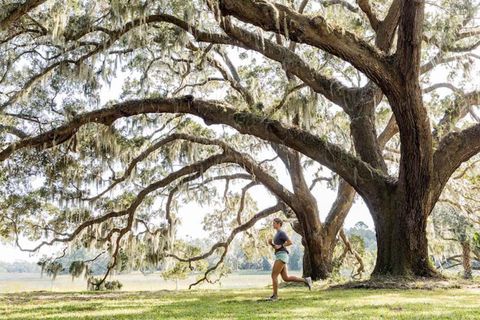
<point x="240" y="296"/>
<point x="18" y="282"/>
<point x="295" y="303"/>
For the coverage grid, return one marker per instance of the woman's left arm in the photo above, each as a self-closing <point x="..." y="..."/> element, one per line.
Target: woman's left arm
<point x="287" y="243"/>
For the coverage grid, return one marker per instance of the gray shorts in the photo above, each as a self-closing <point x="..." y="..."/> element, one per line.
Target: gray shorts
<point x="282" y="256"/>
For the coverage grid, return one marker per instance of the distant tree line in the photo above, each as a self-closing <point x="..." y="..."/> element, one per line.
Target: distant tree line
<point x="19" y="267"/>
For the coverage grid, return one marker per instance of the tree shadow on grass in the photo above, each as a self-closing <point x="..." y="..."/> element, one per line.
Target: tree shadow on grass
<point x="243" y="304"/>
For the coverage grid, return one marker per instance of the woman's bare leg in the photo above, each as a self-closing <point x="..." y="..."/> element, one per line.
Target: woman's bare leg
<point x="288" y="278"/>
<point x="277" y="268"/>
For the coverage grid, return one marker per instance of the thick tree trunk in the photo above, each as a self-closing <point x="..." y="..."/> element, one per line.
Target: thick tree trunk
<point x="317" y="254"/>
<point x="402" y="247"/>
<point x="306" y="267"/>
<point x="320" y="256"/>
<point x="317" y="259"/>
<point x="315" y="238"/>
<point x="466" y="261"/>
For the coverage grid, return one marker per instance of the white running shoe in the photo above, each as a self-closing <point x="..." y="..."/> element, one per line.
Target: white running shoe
<point x="309" y="282"/>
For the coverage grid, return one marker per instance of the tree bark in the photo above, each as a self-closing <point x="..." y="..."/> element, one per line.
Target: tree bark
<point x="307" y="267"/>
<point x="315" y="238"/>
<point x="319" y="244"/>
<point x="466" y="261"/>
<point x="400" y="211"/>
<point x="19" y="12"/>
<point x="402" y="247"/>
<point x="317" y="255"/>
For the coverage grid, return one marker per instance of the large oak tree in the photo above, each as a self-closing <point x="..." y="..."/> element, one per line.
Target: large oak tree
<point x="393" y="54"/>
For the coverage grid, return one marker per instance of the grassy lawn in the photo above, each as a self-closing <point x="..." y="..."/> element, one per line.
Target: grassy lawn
<point x="295" y="303"/>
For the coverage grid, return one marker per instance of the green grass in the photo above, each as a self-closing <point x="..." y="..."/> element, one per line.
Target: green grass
<point x="295" y="303"/>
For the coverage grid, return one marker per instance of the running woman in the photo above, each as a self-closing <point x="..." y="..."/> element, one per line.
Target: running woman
<point x="279" y="243"/>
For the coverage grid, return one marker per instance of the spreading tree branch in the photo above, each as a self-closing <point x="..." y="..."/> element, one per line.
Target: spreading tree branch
<point x="225" y="244"/>
<point x="359" y="174"/>
<point x="314" y="31"/>
<point x="19" y="12"/>
<point x="12" y="130"/>
<point x="200" y="166"/>
<point x="459" y="109"/>
<point x="330" y="88"/>
<point x="367" y="9"/>
<point x="454" y="149"/>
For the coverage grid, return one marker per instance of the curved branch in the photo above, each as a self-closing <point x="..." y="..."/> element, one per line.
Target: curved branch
<point x="233" y="80"/>
<point x="168" y="213"/>
<point x="342" y="3"/>
<point x="292" y="63"/>
<point x="459" y="109"/>
<point x="138" y="159"/>
<point x="200" y="166"/>
<point x="454" y="149"/>
<point x="209" y="270"/>
<point x="317" y="180"/>
<point x="247" y="225"/>
<point x="243" y="176"/>
<point x="440" y="59"/>
<point x="340" y="208"/>
<point x="367" y="9"/>
<point x="358" y="173"/>
<point x="198" y="84"/>
<point x="12" y="130"/>
<point x="314" y="31"/>
<point x="444" y="85"/>
<point x="242" y="200"/>
<point x="349" y="248"/>
<point x="95" y="258"/>
<point x="18" y="12"/>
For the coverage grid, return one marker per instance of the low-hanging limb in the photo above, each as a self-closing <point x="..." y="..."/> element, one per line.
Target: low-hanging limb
<point x="225" y="244"/>
<point x="229" y="155"/>
<point x="138" y="159"/>
<point x="248" y="164"/>
<point x="200" y="166"/>
<point x="358" y="173"/>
